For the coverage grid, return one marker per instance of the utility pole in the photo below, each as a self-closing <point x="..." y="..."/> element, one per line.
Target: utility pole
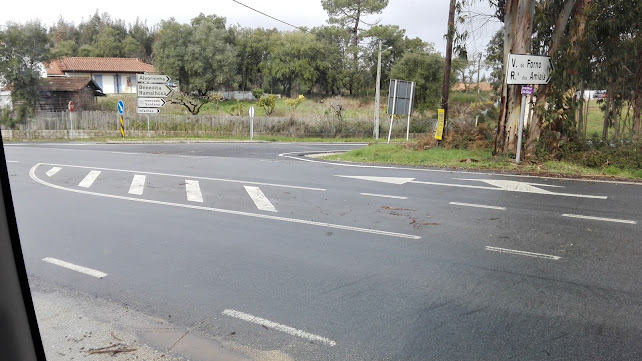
<point x="377" y="95"/>
<point x="449" y="56"/>
<point x="478" y="71"/>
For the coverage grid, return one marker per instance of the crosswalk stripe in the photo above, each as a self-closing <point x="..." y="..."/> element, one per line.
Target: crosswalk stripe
<point x="138" y="184"/>
<point x="51" y="172"/>
<point x="193" y="191"/>
<point x="89" y="179"/>
<point x="259" y="199"/>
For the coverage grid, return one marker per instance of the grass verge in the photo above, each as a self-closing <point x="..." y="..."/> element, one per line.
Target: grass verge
<point x="475" y="159"/>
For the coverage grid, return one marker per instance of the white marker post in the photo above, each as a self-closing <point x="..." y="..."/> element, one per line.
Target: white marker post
<point x="148" y="135"/>
<point x="412" y="90"/>
<point x="251" y="122"/>
<point x="526" y="90"/>
<point x="392" y="113"/>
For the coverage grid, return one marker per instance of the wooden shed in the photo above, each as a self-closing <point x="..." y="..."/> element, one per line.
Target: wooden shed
<point x="56" y="93"/>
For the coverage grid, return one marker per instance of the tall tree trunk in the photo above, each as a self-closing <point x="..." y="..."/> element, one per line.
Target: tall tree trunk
<point x="607" y="111"/>
<point x="578" y="8"/>
<point x="637" y="100"/>
<point x="580" y="114"/>
<point x="445" y="87"/>
<point x="518" y="30"/>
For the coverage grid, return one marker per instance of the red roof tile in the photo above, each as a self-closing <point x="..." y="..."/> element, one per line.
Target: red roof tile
<point x="98" y="65"/>
<point x="66" y="84"/>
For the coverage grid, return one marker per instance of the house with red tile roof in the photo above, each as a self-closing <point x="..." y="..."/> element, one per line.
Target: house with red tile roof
<point x="113" y="75"/>
<point x="57" y="92"/>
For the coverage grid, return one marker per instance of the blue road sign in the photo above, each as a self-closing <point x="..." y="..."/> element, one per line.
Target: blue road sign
<point x="121" y="107"/>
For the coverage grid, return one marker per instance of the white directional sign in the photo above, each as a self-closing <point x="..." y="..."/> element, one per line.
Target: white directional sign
<point x="151" y="102"/>
<point x="147" y="110"/>
<point x="152" y="78"/>
<point x="153" y="90"/>
<point x="528" y="69"/>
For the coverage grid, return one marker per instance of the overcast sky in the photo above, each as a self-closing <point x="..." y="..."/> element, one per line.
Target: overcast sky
<point x="425" y="19"/>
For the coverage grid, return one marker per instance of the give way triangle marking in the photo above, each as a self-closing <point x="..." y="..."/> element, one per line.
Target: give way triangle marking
<point x="497" y="185"/>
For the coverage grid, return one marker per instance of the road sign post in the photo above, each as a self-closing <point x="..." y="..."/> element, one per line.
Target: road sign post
<point x="121" y="109"/>
<point x="528" y="69"/>
<point x="439" y="132"/>
<point x="412" y="90"/>
<point x="526" y="90"/>
<point x="251" y="122"/>
<point x="70" y="106"/>
<point x="394" y="107"/>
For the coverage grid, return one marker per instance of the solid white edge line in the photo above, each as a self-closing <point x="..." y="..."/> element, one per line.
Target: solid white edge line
<point x="288" y="155"/>
<point x="477" y="205"/>
<point x="138" y="184"/>
<point x="382" y="195"/>
<point x="277" y="326"/>
<point x="32" y="174"/>
<point x="259" y="199"/>
<point x="51" y="172"/>
<point x="193" y="190"/>
<point x="188" y="176"/>
<point x="599" y="218"/>
<point x="522" y="253"/>
<point x="74" y="267"/>
<point x="89" y="179"/>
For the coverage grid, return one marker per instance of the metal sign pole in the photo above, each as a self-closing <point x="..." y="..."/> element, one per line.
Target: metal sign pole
<point x="412" y="89"/>
<point x="520" y="127"/>
<point x="71" y="129"/>
<point x="392" y="113"/>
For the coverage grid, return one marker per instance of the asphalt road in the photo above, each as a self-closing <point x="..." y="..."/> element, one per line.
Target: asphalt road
<point x="251" y="244"/>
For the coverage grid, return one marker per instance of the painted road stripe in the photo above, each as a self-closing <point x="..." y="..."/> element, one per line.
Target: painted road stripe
<point x="51" y="172"/>
<point x="138" y="184"/>
<point x="277" y="326"/>
<point x="522" y="253"/>
<point x="13" y="161"/>
<point x="259" y="199"/>
<point x="599" y="218"/>
<point x="71" y="266"/>
<point x="89" y="179"/>
<point x="188" y="176"/>
<point x="32" y="174"/>
<point x="477" y="205"/>
<point x="193" y="191"/>
<point x="382" y="196"/>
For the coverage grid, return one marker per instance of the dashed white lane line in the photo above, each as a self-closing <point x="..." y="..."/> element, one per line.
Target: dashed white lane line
<point x="193" y="190"/>
<point x="259" y="199"/>
<point x="130" y="153"/>
<point x="89" y="179"/>
<point x="74" y="267"/>
<point x="600" y="218"/>
<point x="522" y="253"/>
<point x="277" y="326"/>
<point x="477" y="205"/>
<point x="51" y="172"/>
<point x="13" y="161"/>
<point x="32" y="174"/>
<point x="187" y="176"/>
<point x="382" y="195"/>
<point x="138" y="185"/>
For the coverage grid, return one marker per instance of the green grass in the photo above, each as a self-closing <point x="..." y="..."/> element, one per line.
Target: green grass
<point x="480" y="159"/>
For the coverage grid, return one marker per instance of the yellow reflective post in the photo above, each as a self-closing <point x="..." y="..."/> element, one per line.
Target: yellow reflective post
<point x="440" y="124"/>
<point x="122" y="127"/>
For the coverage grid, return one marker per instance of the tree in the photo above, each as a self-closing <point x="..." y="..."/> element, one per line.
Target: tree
<point x="349" y="15"/>
<point x="198" y="56"/>
<point x="107" y="43"/>
<point x="495" y="59"/>
<point x="23" y="50"/>
<point x="426" y="69"/>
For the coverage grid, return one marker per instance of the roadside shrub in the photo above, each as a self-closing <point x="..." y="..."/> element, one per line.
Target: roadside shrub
<point x="267" y="103"/>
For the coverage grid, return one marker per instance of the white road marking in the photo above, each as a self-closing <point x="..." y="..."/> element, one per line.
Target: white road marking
<point x="193" y="190"/>
<point x="32" y="174"/>
<point x="529" y="183"/>
<point x="599" y="218"/>
<point x="130" y="153"/>
<point x="382" y="195"/>
<point x="477" y="205"/>
<point x="189" y="176"/>
<point x="13" y="161"/>
<point x="522" y="253"/>
<point x="89" y="179"/>
<point x="51" y="172"/>
<point x="259" y="199"/>
<point x="499" y="185"/>
<point x="277" y="326"/>
<point x="138" y="184"/>
<point x="74" y="267"/>
<point x="448" y="170"/>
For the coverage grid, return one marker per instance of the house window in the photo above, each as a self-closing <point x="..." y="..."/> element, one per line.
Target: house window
<point x="99" y="80"/>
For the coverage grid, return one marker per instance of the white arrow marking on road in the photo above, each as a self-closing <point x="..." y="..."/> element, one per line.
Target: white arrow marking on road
<point x="522" y="253"/>
<point x="89" y="179"/>
<point x="51" y="172"/>
<point x="193" y="190"/>
<point x="500" y="185"/>
<point x="74" y="267"/>
<point x="277" y="326"/>
<point x="259" y="199"/>
<point x="138" y="185"/>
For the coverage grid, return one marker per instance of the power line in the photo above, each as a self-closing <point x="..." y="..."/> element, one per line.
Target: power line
<point x="269" y="16"/>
